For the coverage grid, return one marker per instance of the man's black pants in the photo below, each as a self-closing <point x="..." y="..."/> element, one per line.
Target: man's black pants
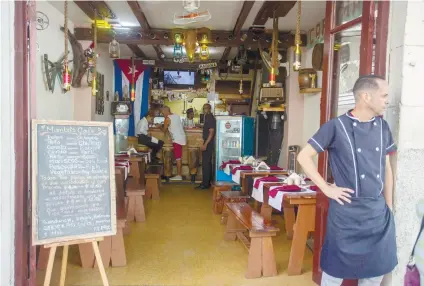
<point x="147" y="141"/>
<point x="207" y="169"/>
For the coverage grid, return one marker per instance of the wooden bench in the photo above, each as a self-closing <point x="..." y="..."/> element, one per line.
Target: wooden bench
<point x="231" y="197"/>
<point x="153" y="182"/>
<point x="135" y="207"/>
<point x="217" y="201"/>
<point x="242" y="218"/>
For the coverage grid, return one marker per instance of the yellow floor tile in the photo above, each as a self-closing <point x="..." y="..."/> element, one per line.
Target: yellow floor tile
<point x="181" y="243"/>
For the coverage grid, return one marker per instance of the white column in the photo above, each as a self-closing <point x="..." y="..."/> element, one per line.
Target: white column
<point x="7" y="165"/>
<point x="406" y="116"/>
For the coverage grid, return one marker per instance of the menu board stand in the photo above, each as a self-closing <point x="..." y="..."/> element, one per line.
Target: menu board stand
<point x="54" y="246"/>
<point x="73" y="188"/>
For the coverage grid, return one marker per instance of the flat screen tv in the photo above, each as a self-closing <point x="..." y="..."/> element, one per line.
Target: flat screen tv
<point x="178" y="78"/>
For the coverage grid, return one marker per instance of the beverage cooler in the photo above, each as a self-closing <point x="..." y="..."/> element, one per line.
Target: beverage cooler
<point x="234" y="139"/>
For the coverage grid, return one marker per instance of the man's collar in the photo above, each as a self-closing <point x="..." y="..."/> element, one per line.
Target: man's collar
<point x="351" y="116"/>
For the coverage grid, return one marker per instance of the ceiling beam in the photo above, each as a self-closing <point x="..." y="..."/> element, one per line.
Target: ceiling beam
<point x="139" y="14"/>
<point x="88" y="8"/>
<point x="220" y="38"/>
<point x="137" y="51"/>
<point x="194" y="66"/>
<point x="247" y="6"/>
<point x="96" y="9"/>
<point x="281" y="8"/>
<point x="159" y="52"/>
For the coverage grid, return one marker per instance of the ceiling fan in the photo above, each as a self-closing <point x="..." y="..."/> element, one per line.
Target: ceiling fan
<point x="191" y="13"/>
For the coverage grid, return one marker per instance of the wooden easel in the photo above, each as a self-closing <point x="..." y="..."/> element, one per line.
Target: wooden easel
<point x="53" y="247"/>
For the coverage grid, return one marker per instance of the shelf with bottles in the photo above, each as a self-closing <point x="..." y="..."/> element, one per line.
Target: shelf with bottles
<point x="229" y="144"/>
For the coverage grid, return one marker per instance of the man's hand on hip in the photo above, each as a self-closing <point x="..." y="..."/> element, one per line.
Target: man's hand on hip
<point x="338" y="194"/>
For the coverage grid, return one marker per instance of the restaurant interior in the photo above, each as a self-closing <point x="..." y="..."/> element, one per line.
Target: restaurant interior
<point x="259" y="65"/>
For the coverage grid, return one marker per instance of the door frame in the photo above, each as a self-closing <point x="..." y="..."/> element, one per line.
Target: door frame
<point x="24" y="107"/>
<point x="328" y="102"/>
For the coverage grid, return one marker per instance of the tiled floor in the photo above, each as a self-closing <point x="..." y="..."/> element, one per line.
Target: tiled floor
<point x="181" y="243"/>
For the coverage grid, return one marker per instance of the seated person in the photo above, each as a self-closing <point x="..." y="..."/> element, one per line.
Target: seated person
<point x="189" y="121"/>
<point x="144" y="138"/>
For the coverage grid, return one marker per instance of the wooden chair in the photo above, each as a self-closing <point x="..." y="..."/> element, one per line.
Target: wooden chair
<point x="217" y="202"/>
<point x="231" y="197"/>
<point x="112" y="248"/>
<point x="242" y="218"/>
<point x="153" y="182"/>
<point x="135" y="208"/>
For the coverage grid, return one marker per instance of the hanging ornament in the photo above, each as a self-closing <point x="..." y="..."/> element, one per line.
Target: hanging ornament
<point x="132" y="94"/>
<point x="94" y="81"/>
<point x="66" y="76"/>
<point x="114" y="50"/>
<point x="190" y="37"/>
<point x="297" y="52"/>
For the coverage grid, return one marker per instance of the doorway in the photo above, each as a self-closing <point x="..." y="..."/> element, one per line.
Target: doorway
<point x="355" y="38"/>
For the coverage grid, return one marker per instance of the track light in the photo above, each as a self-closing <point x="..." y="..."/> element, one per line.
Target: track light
<point x="152" y="36"/>
<point x="243" y="37"/>
<point x="166" y="36"/>
<point x="231" y="37"/>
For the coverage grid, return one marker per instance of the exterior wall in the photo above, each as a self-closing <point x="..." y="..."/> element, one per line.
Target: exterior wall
<point x="7" y="166"/>
<point x="405" y="116"/>
<point x="78" y="103"/>
<point x="56" y="105"/>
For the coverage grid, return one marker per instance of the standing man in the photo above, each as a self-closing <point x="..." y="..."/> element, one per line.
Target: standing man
<point x="144" y="138"/>
<point x="360" y="238"/>
<point x="174" y="125"/>
<point x="207" y="148"/>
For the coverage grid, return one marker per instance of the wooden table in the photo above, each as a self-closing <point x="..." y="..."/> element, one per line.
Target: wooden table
<point x="245" y="175"/>
<point x="297" y="228"/>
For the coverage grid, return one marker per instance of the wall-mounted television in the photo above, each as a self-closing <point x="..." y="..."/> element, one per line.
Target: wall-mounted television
<point x="178" y="78"/>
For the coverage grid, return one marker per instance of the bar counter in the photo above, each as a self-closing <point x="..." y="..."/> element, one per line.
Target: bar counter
<point x="192" y="156"/>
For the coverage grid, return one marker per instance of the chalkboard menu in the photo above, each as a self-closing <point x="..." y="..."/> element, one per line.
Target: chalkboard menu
<point x="73" y="181"/>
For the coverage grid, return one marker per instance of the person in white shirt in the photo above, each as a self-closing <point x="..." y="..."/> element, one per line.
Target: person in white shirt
<point x="189" y="121"/>
<point x="144" y="138"/>
<point x="175" y="127"/>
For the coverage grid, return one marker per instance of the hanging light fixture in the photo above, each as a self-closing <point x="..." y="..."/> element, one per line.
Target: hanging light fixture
<point x="66" y="76"/>
<point x="177" y="35"/>
<point x="204" y="41"/>
<point x="297" y="52"/>
<point x="114" y="49"/>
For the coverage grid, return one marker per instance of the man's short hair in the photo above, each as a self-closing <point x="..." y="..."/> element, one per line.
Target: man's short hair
<point x="366" y="82"/>
<point x="190" y="110"/>
<point x="166" y="108"/>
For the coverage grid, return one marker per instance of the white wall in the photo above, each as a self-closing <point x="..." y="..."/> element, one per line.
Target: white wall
<point x="78" y="103"/>
<point x="50" y="41"/>
<point x="105" y="67"/>
<point x="7" y="166"/>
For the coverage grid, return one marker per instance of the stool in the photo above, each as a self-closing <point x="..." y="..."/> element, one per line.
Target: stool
<point x="193" y="161"/>
<point x="142" y="148"/>
<point x="231" y="197"/>
<point x="218" y="187"/>
<point x="167" y="155"/>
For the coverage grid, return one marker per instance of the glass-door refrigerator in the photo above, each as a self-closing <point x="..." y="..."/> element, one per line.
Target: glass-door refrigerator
<point x="234" y="139"/>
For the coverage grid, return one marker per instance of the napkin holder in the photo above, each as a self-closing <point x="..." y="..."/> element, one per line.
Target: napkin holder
<point x="262" y="167"/>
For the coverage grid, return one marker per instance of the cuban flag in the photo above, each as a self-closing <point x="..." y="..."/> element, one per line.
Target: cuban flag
<point x="124" y="71"/>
